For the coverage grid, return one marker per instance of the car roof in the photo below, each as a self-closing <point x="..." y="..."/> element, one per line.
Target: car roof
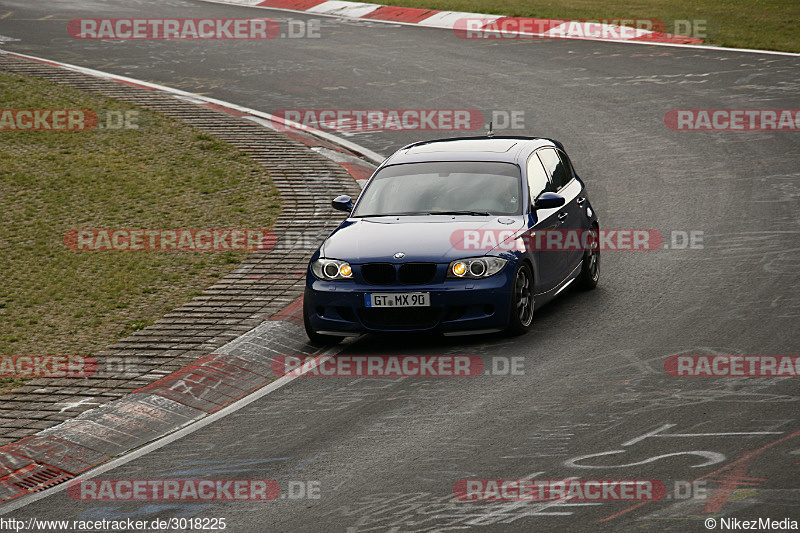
<point x="500" y="148"/>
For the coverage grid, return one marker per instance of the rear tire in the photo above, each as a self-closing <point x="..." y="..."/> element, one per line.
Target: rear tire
<point x="522" y="303"/>
<point x="313" y="336"/>
<point x="590" y="269"/>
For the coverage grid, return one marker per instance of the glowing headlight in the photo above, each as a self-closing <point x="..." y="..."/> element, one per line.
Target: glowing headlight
<point x="476" y="267"/>
<point x="331" y="269"/>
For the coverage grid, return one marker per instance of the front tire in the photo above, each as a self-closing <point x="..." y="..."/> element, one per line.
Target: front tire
<point x="590" y="269"/>
<point x="522" y="303"/>
<point x="313" y="336"/>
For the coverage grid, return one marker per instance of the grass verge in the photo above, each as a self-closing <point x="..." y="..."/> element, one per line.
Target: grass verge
<point x="164" y="175"/>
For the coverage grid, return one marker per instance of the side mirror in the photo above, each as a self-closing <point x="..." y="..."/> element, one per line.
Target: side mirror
<point x="345" y="203"/>
<point x="548" y="200"/>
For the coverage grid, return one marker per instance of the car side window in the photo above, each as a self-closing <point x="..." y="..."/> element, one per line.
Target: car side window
<point x="537" y="178"/>
<point x="559" y="174"/>
<point x="567" y="166"/>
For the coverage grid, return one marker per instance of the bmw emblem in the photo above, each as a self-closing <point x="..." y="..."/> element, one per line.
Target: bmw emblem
<point x="399" y="255"/>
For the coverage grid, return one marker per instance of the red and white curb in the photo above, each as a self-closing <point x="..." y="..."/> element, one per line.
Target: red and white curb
<point x="149" y="418"/>
<point x="454" y="20"/>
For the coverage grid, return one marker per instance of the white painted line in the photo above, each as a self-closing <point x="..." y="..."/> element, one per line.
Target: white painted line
<point x="648" y="43"/>
<point x="188" y="429"/>
<point x="705" y="47"/>
<point x="447" y="19"/>
<point x="247" y="3"/>
<point x="344" y="9"/>
<point x="196" y="98"/>
<point x="594" y="31"/>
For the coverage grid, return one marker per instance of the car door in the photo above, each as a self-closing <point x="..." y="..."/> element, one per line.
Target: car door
<point x="549" y="263"/>
<point x="575" y="202"/>
<point x="569" y="216"/>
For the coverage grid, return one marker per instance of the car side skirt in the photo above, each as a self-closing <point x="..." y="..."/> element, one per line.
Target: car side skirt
<point x="544" y="297"/>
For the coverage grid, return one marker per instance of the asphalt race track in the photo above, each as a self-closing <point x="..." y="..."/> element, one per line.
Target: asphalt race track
<point x="593" y="400"/>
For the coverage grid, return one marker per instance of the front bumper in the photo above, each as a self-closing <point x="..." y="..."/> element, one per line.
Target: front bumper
<point x="457" y="305"/>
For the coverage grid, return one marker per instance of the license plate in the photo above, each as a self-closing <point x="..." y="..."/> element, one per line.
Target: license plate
<point x="398" y="299"/>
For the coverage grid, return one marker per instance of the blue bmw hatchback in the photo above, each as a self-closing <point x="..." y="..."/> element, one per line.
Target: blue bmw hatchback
<point x="441" y="239"/>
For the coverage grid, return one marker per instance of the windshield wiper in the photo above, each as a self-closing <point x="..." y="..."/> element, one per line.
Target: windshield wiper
<point x="474" y="213"/>
<point x="406" y="213"/>
<point x="425" y="213"/>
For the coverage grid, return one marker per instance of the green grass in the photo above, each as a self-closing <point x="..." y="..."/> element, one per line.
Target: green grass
<point x="761" y="24"/>
<point x="7" y="384"/>
<point x="165" y="175"/>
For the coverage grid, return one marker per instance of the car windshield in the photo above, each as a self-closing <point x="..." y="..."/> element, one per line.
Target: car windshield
<point x="464" y="187"/>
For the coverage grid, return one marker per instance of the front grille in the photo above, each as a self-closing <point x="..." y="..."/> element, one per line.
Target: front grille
<point x="417" y="273"/>
<point x="400" y="317"/>
<point x="378" y="273"/>
<point x="408" y="273"/>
